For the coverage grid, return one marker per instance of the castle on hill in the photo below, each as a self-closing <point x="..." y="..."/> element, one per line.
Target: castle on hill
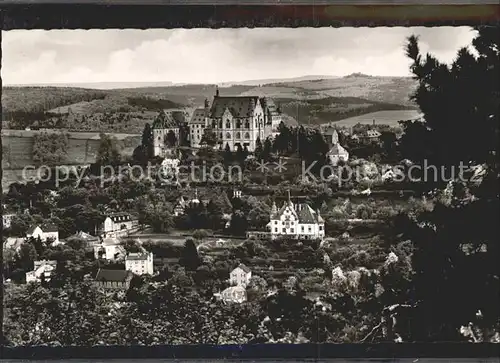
<point x="238" y="121"/>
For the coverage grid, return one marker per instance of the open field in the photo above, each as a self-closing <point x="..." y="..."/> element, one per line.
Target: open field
<point x="390" y="118"/>
<point x="17" y="150"/>
<point x="81" y="135"/>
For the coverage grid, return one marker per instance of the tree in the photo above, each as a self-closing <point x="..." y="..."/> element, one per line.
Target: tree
<point x="266" y="152"/>
<point x="189" y="258"/>
<point x="50" y="149"/>
<point x="388" y="139"/>
<point x="209" y="137"/>
<point x="258" y="149"/>
<point x="147" y="142"/>
<point x="215" y="210"/>
<point x="200" y="234"/>
<point x="239" y="223"/>
<point x="228" y="155"/>
<point x="20" y="223"/>
<point x="171" y="139"/>
<point x="158" y="216"/>
<point x="108" y="152"/>
<point x="240" y="154"/>
<point x="456" y="243"/>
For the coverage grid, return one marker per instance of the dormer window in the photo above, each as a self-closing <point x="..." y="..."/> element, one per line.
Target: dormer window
<point x="228" y="124"/>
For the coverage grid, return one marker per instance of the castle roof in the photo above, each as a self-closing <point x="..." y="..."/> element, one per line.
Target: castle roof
<point x="239" y="106"/>
<point x="269" y="105"/>
<point x="198" y="116"/>
<point x="165" y="121"/>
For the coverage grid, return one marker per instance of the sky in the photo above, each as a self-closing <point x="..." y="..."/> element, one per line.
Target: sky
<point x="215" y="55"/>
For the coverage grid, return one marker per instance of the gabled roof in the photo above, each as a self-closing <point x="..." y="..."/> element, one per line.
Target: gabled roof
<point x="113" y="275"/>
<point x="31" y="229"/>
<point x="45" y="228"/>
<point x="233" y="289"/>
<point x="137" y="256"/>
<point x="164" y="121"/>
<point x="239" y="106"/>
<point x="244" y="268"/>
<point x="304" y="213"/>
<point x="198" y="116"/>
<point x="337" y="149"/>
<point x="278" y="214"/>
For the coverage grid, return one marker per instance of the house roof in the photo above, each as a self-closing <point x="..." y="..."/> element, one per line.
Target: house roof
<point x="85" y="236"/>
<point x="269" y="106"/>
<point x="233" y="289"/>
<point x="110" y="241"/>
<point x="44" y="227"/>
<point x="330" y="131"/>
<point x="121" y="216"/>
<point x="164" y="121"/>
<point x="337" y="149"/>
<point x="137" y="256"/>
<point x="239" y="106"/>
<point x="198" y="116"/>
<point x="372" y="133"/>
<point x="305" y="214"/>
<point x="244" y="268"/>
<point x="112" y="275"/>
<point x="31" y="229"/>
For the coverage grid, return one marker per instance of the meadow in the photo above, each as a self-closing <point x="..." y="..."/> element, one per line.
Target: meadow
<point x="389" y="117"/>
<point x="17" y="150"/>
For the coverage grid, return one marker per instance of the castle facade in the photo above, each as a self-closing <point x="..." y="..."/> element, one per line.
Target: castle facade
<point x="238" y="121"/>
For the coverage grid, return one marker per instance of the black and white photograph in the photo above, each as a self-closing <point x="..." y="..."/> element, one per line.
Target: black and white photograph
<point x="243" y="186"/>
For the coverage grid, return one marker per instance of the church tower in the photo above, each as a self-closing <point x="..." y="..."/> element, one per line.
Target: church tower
<point x="274" y="209"/>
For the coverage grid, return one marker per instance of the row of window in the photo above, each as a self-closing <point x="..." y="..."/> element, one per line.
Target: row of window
<point x="238" y="124"/>
<point x="292" y="230"/>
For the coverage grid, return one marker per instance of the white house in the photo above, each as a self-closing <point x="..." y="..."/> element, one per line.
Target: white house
<point x="7" y="219"/>
<point x="118" y="224"/>
<point x="43" y="270"/>
<point x="296" y="221"/>
<point x="240" y="276"/>
<point x="109" y="249"/>
<point x="139" y="263"/>
<point x="44" y="232"/>
<point x="336" y="154"/>
<point x="169" y="169"/>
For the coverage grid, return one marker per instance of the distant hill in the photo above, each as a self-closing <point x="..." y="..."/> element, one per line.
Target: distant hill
<point x="307" y="99"/>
